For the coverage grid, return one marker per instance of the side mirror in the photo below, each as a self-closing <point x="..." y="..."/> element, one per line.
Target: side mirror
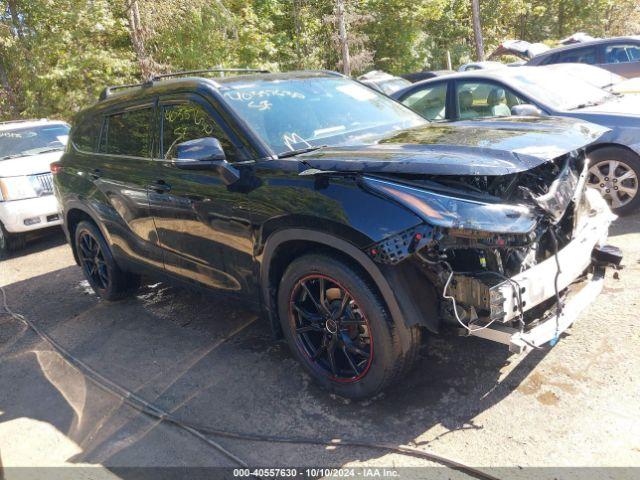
<point x="205" y="154"/>
<point x="526" y="110"/>
<point x="199" y="150"/>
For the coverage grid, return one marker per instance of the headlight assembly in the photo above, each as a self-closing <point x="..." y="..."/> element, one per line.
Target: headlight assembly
<point x="17" y="188"/>
<point x="451" y="212"/>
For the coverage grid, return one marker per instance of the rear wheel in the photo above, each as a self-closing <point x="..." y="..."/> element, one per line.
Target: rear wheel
<point x="339" y="328"/>
<point x="10" y="241"/>
<point x="615" y="173"/>
<point x="99" y="267"/>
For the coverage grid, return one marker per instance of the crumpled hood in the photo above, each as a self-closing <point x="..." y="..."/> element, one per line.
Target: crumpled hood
<point x="34" y="164"/>
<point x="483" y="147"/>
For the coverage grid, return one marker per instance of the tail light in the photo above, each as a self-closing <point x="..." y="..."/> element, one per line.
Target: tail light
<point x="56" y="167"/>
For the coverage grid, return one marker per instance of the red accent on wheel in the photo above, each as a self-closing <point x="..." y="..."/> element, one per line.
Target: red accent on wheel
<point x="339" y="327"/>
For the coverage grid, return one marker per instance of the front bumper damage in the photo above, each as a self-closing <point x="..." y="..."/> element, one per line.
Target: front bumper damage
<point x="506" y="302"/>
<point x="523" y="288"/>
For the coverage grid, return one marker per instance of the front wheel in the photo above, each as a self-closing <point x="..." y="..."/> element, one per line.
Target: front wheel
<point x="339" y="328"/>
<point x="10" y="241"/>
<point x="615" y="173"/>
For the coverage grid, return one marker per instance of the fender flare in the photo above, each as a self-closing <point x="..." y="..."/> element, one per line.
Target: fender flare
<point x="77" y="205"/>
<point x="312" y="236"/>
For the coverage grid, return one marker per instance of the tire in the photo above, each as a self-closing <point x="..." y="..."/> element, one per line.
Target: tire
<point x="10" y="242"/>
<point x="99" y="268"/>
<point x="625" y="166"/>
<point x="370" y="351"/>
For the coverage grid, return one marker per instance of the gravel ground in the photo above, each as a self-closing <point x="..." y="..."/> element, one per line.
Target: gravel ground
<point x="212" y="363"/>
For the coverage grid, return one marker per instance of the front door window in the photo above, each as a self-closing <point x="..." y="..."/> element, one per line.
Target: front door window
<point x="485" y="99"/>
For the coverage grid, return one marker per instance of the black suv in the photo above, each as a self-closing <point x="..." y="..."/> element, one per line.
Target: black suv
<point x="353" y="223"/>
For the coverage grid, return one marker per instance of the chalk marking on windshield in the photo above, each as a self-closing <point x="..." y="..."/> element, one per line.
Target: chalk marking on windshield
<point x="289" y="140"/>
<point x="261" y="105"/>
<point x="267" y="93"/>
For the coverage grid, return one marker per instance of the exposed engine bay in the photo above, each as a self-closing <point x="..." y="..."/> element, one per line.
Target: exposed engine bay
<point x="502" y="250"/>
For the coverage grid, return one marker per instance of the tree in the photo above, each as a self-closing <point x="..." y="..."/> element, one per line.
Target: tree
<point x="342" y="37"/>
<point x="57" y="55"/>
<point x="477" y="29"/>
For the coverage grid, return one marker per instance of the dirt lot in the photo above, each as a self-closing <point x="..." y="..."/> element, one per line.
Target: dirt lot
<point x="577" y="404"/>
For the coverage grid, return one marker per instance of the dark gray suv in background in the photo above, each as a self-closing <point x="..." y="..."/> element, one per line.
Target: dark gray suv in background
<point x="619" y="55"/>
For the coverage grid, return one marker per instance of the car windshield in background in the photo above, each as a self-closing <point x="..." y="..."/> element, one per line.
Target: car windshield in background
<point x="393" y="85"/>
<point x="558" y="90"/>
<point x="300" y="113"/>
<point x="24" y="142"/>
<point x="596" y="76"/>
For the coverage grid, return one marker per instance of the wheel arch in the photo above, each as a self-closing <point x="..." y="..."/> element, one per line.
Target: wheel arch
<point x="620" y="146"/>
<point x="73" y="216"/>
<point x="282" y="247"/>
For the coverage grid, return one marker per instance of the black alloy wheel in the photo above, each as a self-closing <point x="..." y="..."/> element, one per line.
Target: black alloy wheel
<point x="104" y="275"/>
<point x="331" y="329"/>
<point x="339" y="327"/>
<point x="92" y="261"/>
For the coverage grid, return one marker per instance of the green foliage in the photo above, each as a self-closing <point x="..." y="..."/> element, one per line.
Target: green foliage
<point x="56" y="55"/>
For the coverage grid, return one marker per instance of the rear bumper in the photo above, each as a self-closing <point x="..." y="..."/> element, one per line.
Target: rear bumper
<point x="32" y="214"/>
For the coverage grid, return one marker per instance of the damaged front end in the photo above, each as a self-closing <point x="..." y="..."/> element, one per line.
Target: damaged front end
<point x="514" y="258"/>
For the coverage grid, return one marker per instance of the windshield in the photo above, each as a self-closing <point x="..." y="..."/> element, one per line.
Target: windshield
<point x="24" y="142"/>
<point x="558" y="90"/>
<point x="304" y="112"/>
<point x="596" y="76"/>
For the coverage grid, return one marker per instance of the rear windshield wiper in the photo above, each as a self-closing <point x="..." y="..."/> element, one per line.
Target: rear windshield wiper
<point x="299" y="151"/>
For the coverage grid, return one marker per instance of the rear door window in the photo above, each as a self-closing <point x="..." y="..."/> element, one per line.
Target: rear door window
<point x="578" y="55"/>
<point x="430" y="101"/>
<point x="128" y="133"/>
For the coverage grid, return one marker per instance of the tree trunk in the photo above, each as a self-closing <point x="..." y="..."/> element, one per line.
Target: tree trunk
<point x="561" y="13"/>
<point x="297" y="33"/>
<point x="477" y="29"/>
<point x="342" y="36"/>
<point x="137" y="34"/>
<point x="15" y="18"/>
<point x="9" y="93"/>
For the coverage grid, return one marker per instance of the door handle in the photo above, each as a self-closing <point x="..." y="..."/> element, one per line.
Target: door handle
<point x="159" y="186"/>
<point x="96" y="174"/>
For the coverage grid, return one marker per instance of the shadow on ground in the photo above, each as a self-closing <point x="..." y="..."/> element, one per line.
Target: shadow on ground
<point x="167" y="345"/>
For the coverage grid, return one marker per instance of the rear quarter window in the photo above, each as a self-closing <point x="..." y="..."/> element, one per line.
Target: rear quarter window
<point x="86" y="132"/>
<point x="128" y="133"/>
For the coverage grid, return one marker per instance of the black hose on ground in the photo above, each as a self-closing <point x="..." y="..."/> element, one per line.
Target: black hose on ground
<point x="201" y="431"/>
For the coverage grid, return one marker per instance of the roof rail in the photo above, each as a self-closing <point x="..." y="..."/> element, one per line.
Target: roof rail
<point x="108" y="90"/>
<point x="210" y="70"/>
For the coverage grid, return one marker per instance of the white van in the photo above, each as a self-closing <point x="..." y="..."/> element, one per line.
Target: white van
<point x="27" y="203"/>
